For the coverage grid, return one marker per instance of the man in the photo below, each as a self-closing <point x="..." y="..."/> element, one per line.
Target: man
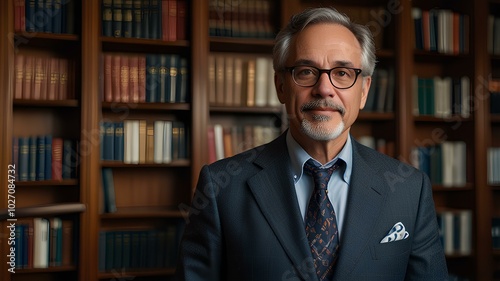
<point x="272" y="214"/>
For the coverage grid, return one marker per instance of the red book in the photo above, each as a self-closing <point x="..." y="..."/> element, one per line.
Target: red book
<point x="172" y="20"/>
<point x="181" y="19"/>
<point x="124" y="78"/>
<point x="53" y="88"/>
<point x="164" y="20"/>
<point x="134" y="78"/>
<point x="39" y="77"/>
<point x="19" y="14"/>
<point x="211" y="144"/>
<point x="57" y="149"/>
<point x="108" y="92"/>
<point x="63" y="79"/>
<point x="29" y="70"/>
<point x="45" y="78"/>
<point x="142" y="78"/>
<point x="115" y="77"/>
<point x="19" y="71"/>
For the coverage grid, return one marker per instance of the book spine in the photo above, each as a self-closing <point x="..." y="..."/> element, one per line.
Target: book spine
<point x="57" y="148"/>
<point x="127" y="17"/>
<point x="142" y="78"/>
<point x="172" y="20"/>
<point x="115" y="77"/>
<point x="117" y="18"/>
<point x="118" y="141"/>
<point x="57" y="17"/>
<point x="19" y="72"/>
<point x="32" y="158"/>
<point x="48" y="157"/>
<point x="181" y="20"/>
<point x="124" y="78"/>
<point x="40" y="158"/>
<point x="54" y="76"/>
<point x="137" y="19"/>
<point x="107" y="18"/>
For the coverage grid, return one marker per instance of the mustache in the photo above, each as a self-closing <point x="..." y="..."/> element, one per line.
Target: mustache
<point x="322" y="103"/>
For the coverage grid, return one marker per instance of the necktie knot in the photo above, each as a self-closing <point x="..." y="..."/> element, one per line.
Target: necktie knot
<point x="321" y="176"/>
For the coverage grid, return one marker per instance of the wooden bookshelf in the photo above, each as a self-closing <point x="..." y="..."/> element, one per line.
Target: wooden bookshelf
<point x="150" y="194"/>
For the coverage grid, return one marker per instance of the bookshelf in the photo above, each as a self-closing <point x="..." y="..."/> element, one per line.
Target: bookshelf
<point x="142" y="206"/>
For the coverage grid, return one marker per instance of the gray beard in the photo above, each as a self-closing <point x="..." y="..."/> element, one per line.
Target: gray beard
<point x="318" y="132"/>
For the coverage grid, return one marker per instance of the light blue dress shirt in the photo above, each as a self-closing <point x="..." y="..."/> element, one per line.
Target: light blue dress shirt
<point x="337" y="186"/>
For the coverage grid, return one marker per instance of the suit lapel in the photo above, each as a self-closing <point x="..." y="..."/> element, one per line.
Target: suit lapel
<point x="273" y="189"/>
<point x="367" y="193"/>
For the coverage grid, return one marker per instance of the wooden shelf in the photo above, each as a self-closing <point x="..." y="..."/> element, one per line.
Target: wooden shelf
<point x="451" y="119"/>
<point x="65" y="182"/>
<point x="46" y="270"/>
<point x="124" y="274"/>
<point x="44" y="210"/>
<point x="144" y="212"/>
<point x="495" y="119"/>
<point x="146" y="106"/>
<point x="46" y="103"/>
<point x="440" y="188"/>
<point x="246" y="110"/>
<point x="231" y="44"/>
<point x="376" y="116"/>
<point x="117" y="164"/>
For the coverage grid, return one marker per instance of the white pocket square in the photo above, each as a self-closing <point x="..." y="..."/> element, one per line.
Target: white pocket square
<point x="397" y="232"/>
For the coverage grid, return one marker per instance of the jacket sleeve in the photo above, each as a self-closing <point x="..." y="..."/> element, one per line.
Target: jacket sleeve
<point x="427" y="260"/>
<point x="200" y="248"/>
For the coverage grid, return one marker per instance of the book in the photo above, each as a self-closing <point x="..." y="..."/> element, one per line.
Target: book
<point x="108" y="85"/>
<point x="32" y="172"/>
<point x="54" y="79"/>
<point x="48" y="157"/>
<point x="108" y="190"/>
<point x="40" y="243"/>
<point x="19" y="75"/>
<point x="67" y="251"/>
<point x="158" y="141"/>
<point x="24" y="150"/>
<point x="107" y="18"/>
<point x="57" y="150"/>
<point x="124" y="78"/>
<point x="172" y="20"/>
<point x="117" y="18"/>
<point x="134" y="78"/>
<point x="167" y="142"/>
<point x="118" y="141"/>
<point x="127" y="19"/>
<point x="181" y="20"/>
<point x="40" y="158"/>
<point x="137" y="19"/>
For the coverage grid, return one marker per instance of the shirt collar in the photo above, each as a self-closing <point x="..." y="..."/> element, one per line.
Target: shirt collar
<point x="299" y="156"/>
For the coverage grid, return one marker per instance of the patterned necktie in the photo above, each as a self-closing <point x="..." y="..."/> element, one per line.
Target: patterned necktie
<point x="321" y="224"/>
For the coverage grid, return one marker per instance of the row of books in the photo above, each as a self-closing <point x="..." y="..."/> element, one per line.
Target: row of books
<point x="41" y="78"/>
<point x="494" y="35"/>
<point x="226" y="141"/>
<point x="381" y="94"/>
<point x="441" y="96"/>
<point x="137" y="78"/>
<point x="140" y="142"/>
<point x="495" y="232"/>
<point x="441" y="30"/>
<point x="139" y="248"/>
<point x="51" y="16"/>
<point x="243" y="18"/>
<point x="148" y="19"/>
<point x="456" y="231"/>
<point x="444" y="163"/>
<point x="381" y="145"/>
<point x="494" y="89"/>
<point x="241" y="81"/>
<point x="39" y="158"/>
<point x="44" y="242"/>
<point x="494" y="165"/>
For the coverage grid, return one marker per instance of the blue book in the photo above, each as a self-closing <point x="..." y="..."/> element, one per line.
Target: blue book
<point x="102" y="251"/>
<point x="32" y="158"/>
<point x="154" y="19"/>
<point x="110" y="246"/>
<point x="152" y="78"/>
<point x="127" y="17"/>
<point x="182" y="76"/>
<point x="108" y="141"/>
<point x="29" y="11"/>
<point x="145" y="19"/>
<point x="118" y="250"/>
<point x="48" y="157"/>
<point x="24" y="149"/>
<point x="119" y="142"/>
<point x="107" y="18"/>
<point x="57" y="17"/>
<point x="137" y="19"/>
<point x="164" y="90"/>
<point x="48" y="16"/>
<point x="40" y="158"/>
<point x="173" y="66"/>
<point x="40" y="18"/>
<point x="117" y="18"/>
<point x="108" y="190"/>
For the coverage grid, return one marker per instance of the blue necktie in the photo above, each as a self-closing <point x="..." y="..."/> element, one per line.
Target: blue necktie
<point x="321" y="224"/>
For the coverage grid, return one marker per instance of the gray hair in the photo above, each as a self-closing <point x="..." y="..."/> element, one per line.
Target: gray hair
<point x="324" y="15"/>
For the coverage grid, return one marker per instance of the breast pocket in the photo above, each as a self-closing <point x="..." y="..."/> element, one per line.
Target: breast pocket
<point x="391" y="249"/>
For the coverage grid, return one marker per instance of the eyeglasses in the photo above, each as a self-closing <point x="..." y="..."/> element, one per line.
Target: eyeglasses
<point x="308" y="76"/>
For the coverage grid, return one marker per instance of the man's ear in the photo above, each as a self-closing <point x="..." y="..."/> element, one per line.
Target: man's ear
<point x="367" y="81"/>
<point x="279" y="85"/>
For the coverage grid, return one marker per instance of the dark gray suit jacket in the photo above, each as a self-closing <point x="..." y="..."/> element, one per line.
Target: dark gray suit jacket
<point x="245" y="222"/>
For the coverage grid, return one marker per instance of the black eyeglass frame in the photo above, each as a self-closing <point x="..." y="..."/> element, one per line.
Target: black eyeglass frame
<point x="291" y="69"/>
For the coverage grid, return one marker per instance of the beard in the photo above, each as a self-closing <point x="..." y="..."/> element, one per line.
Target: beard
<point x="317" y="129"/>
